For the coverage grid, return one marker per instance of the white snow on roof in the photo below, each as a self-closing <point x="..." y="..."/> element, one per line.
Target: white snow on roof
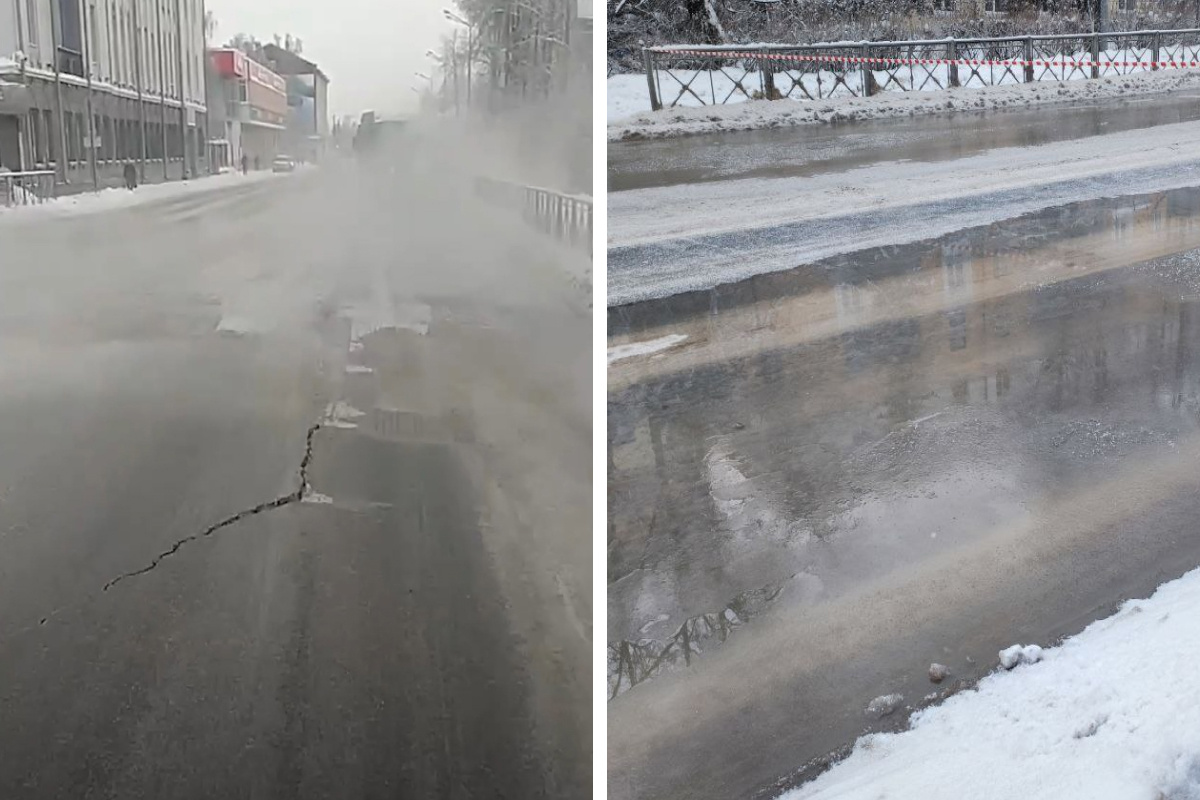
<point x="1108" y="715"/>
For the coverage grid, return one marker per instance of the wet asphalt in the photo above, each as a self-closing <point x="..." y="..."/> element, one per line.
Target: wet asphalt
<point x="834" y="476"/>
<point x="323" y="359"/>
<point x="788" y="152"/>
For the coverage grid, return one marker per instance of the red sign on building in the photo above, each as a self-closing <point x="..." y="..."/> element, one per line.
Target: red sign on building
<point x="258" y="87"/>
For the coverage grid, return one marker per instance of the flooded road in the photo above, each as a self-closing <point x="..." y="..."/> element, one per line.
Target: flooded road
<point x="823" y="480"/>
<point x="812" y="150"/>
<point x="295" y="496"/>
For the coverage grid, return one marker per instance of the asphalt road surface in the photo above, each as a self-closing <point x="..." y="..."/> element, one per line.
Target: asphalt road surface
<point x="823" y="480"/>
<point x="294" y="497"/>
<point x="816" y="150"/>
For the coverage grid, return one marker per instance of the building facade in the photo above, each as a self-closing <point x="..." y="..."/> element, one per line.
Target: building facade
<point x="308" y="102"/>
<point x="105" y="82"/>
<point x="248" y="109"/>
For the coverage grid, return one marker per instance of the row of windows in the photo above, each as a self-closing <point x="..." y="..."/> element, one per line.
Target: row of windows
<point x="115" y="34"/>
<point x="117" y="139"/>
<point x="159" y="48"/>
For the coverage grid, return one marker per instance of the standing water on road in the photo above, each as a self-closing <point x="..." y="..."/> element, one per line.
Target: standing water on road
<point x="825" y="479"/>
<point x="295" y="475"/>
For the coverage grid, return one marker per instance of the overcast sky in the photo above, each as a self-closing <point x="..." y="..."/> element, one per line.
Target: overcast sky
<point x="368" y="48"/>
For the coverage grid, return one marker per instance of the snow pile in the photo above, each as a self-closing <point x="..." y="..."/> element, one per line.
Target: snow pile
<point x="623" y="351"/>
<point x="628" y="94"/>
<point x="1010" y="657"/>
<point x="116" y="198"/>
<point x="1105" y="716"/>
<point x="884" y="705"/>
<point x="341" y="415"/>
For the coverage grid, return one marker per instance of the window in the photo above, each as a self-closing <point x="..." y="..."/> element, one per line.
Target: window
<point x="72" y="120"/>
<point x="943" y="6"/>
<point x="110" y="62"/>
<point x="996" y="6"/>
<point x="93" y="54"/>
<point x="32" y="137"/>
<point x="31" y="19"/>
<point x="1127" y="5"/>
<point x="52" y="144"/>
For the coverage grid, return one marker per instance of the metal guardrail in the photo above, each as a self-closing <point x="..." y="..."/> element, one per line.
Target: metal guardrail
<point x="567" y="218"/>
<point x="714" y="75"/>
<point x="27" y="188"/>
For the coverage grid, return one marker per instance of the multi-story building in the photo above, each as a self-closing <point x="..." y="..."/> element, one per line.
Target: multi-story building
<point x="248" y="109"/>
<point x="104" y="82"/>
<point x="308" y="100"/>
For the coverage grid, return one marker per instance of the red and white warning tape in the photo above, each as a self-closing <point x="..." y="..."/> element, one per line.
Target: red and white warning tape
<point x="930" y="62"/>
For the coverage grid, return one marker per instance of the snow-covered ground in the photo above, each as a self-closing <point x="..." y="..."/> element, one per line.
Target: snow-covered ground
<point x="1108" y="715"/>
<point x="629" y="115"/>
<point x="667" y="240"/>
<point x="108" y="199"/>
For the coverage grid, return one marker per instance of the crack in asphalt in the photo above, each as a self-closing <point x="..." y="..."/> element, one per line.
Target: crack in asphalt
<point x="278" y="502"/>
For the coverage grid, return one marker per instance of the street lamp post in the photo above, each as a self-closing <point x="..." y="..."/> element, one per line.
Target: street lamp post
<point x="450" y="15"/>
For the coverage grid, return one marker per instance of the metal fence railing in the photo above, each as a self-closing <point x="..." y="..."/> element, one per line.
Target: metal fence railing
<point x="26" y="188"/>
<point x="713" y="75"/>
<point x="566" y="217"/>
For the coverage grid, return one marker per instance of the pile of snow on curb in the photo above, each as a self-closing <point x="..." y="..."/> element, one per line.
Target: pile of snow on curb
<point x="1108" y="715"/>
<point x="760" y="114"/>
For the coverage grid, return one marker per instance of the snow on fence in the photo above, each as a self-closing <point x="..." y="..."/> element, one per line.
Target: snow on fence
<point x="26" y="188"/>
<point x="699" y="75"/>
<point x="567" y="218"/>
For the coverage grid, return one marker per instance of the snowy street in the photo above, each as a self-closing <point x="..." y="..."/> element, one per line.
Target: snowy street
<point x="886" y="399"/>
<point x="295" y="492"/>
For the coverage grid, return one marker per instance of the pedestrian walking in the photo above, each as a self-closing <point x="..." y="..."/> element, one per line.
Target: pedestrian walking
<point x="245" y="164"/>
<point x="131" y="176"/>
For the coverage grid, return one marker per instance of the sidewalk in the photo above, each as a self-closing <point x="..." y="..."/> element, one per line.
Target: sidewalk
<point x="115" y="198"/>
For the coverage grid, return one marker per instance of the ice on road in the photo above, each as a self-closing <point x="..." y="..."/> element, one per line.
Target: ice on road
<point x="674" y="239"/>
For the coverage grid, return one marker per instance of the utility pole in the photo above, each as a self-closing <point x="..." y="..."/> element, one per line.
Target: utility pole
<point x="56" y="35"/>
<point x="23" y="123"/>
<point x="87" y="74"/>
<point x="454" y="66"/>
<point x="162" y="83"/>
<point x="183" y="126"/>
<point x="137" y="76"/>
<point x="204" y="83"/>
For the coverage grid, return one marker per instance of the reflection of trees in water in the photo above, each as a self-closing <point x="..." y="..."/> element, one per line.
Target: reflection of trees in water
<point x="1116" y="342"/>
<point x="631" y="662"/>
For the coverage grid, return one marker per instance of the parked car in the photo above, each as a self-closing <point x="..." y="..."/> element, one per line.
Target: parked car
<point x="283" y="164"/>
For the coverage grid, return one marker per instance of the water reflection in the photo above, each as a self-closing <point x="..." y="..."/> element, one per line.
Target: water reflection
<point x="824" y="426"/>
<point x="773" y="153"/>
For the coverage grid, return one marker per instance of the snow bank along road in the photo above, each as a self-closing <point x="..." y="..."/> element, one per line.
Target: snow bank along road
<point x="629" y="116"/>
<point x="295" y="497"/>
<point x="1086" y="721"/>
<point x="667" y="240"/>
